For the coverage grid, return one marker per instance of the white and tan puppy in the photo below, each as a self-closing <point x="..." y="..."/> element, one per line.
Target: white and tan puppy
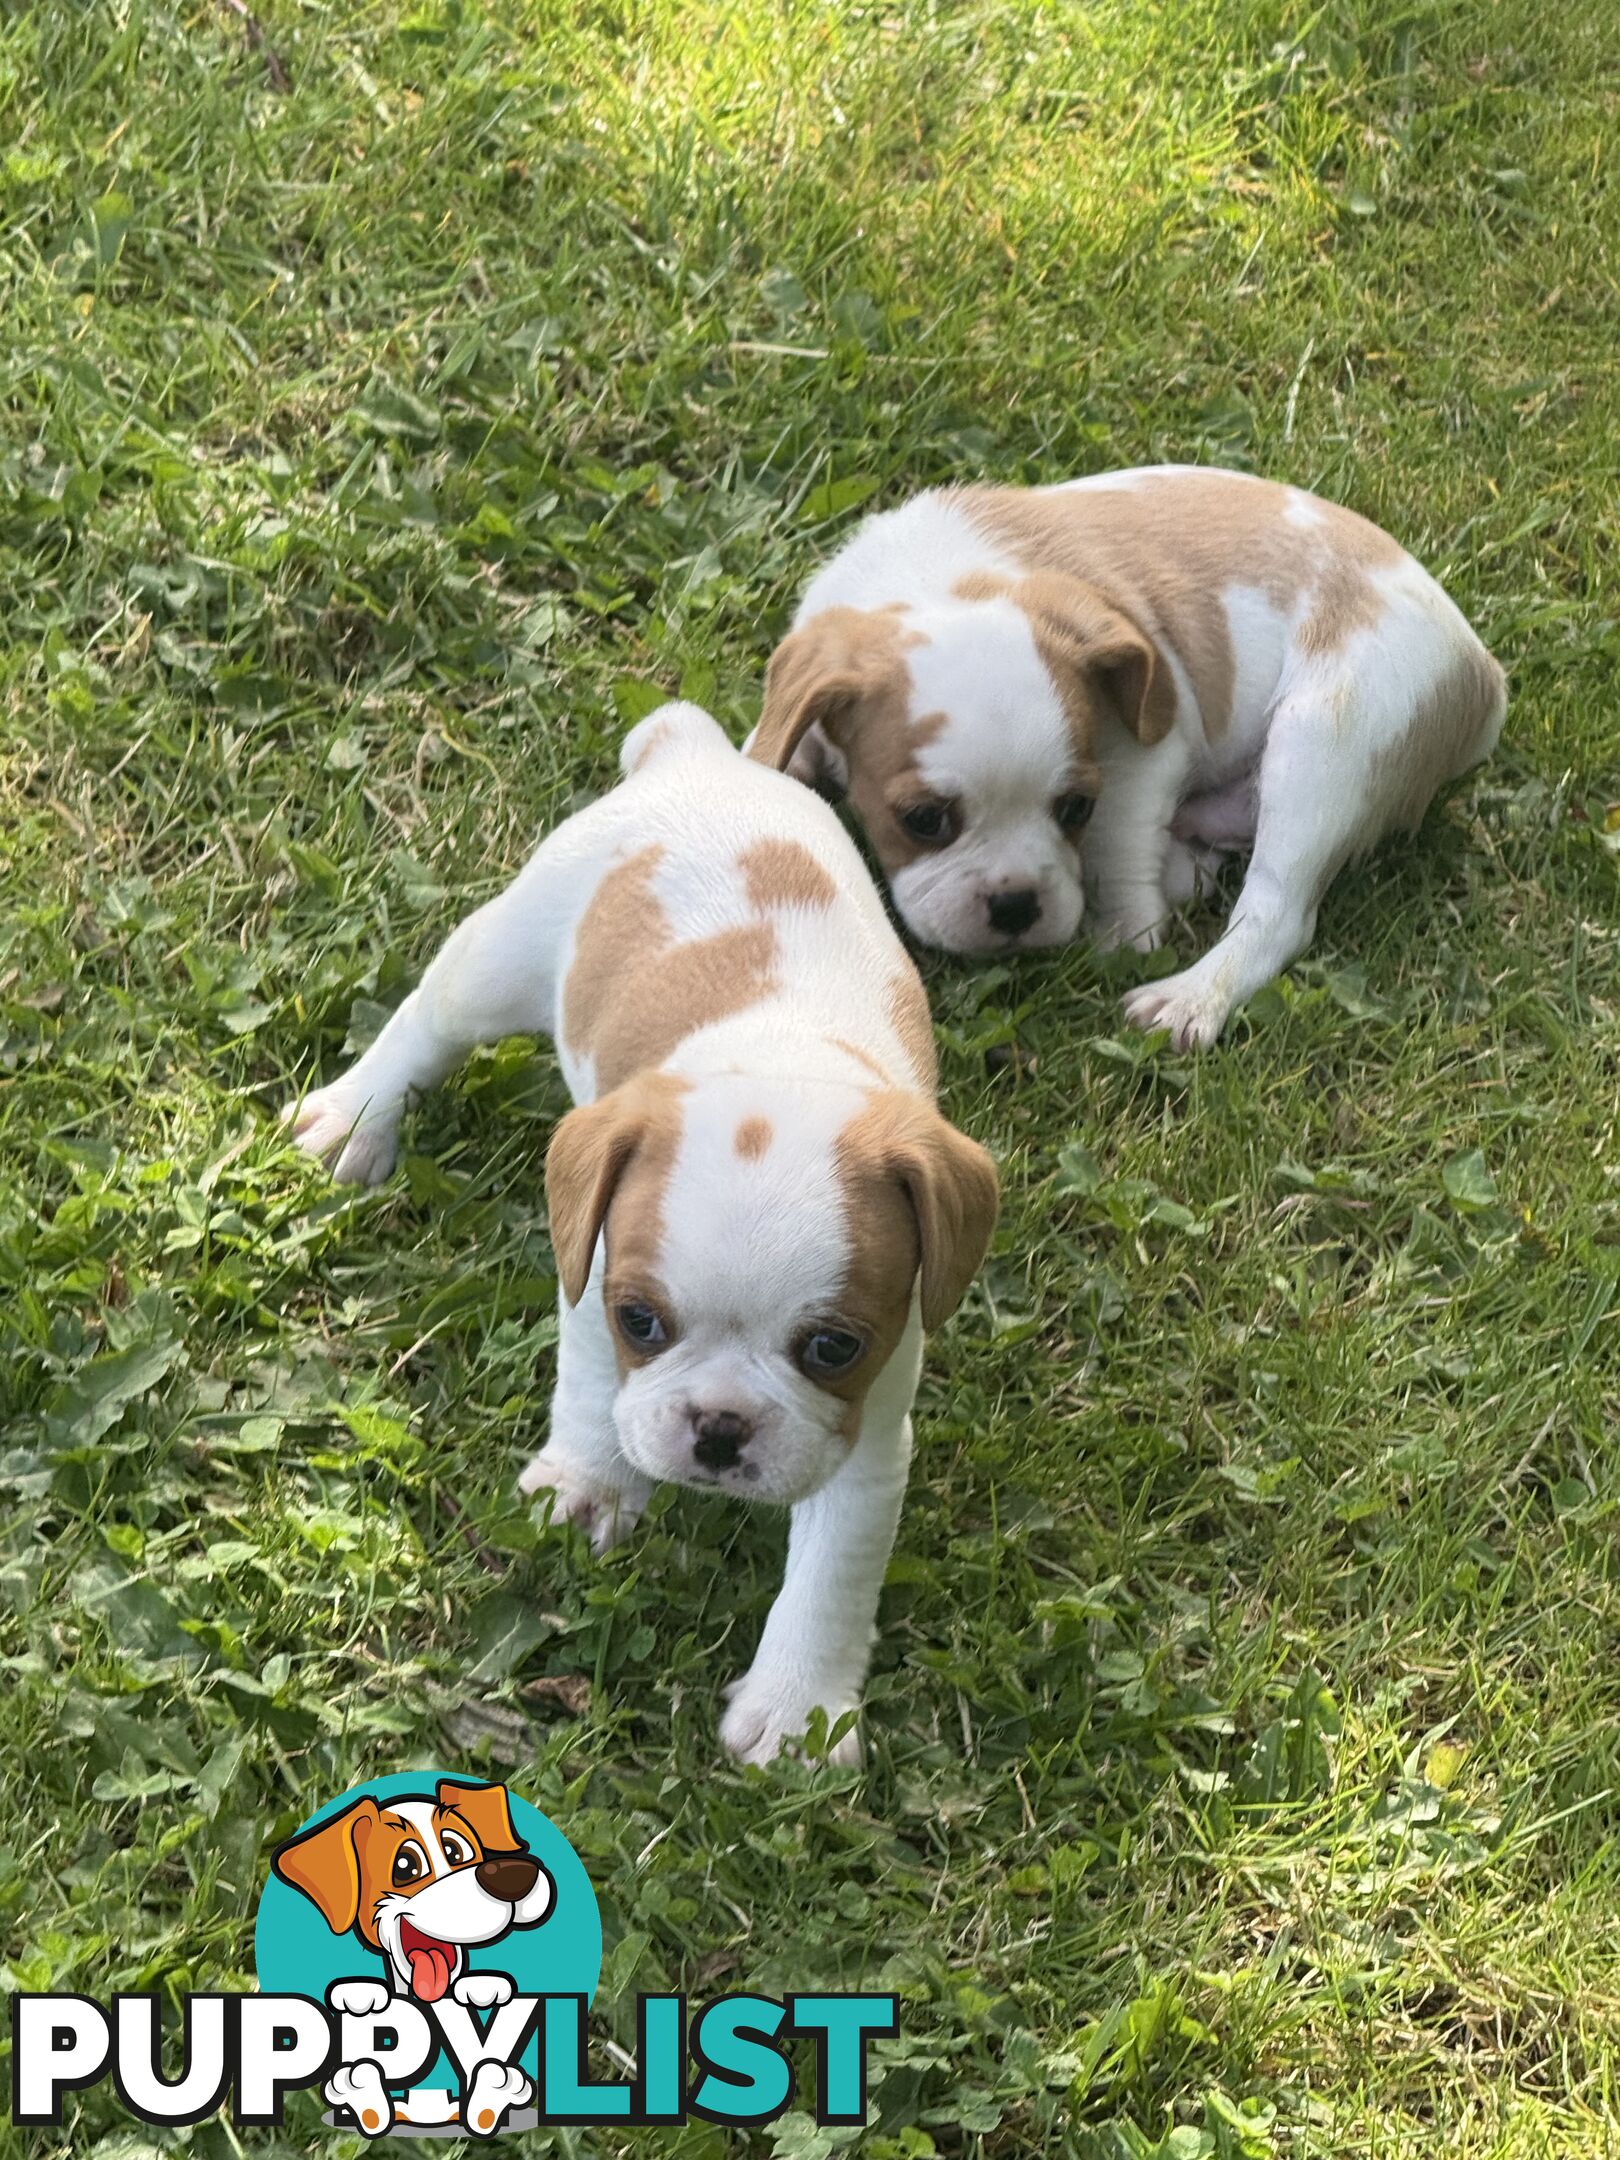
<point x="1213" y="660"/>
<point x="756" y="1208"/>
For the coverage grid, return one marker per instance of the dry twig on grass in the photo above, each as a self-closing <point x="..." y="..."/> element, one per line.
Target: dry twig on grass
<point x="274" y="66"/>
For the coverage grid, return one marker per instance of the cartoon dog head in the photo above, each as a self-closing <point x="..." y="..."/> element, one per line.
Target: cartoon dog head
<point x="421" y="1879"/>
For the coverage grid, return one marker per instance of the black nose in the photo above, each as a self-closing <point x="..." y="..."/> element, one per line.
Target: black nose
<point x="1012" y="913"/>
<point x="507" y="1876"/>
<point x="721" y="1437"/>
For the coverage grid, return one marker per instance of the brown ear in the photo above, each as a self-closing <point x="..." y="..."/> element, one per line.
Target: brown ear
<point x="1081" y="634"/>
<point x="589" y="1153"/>
<point x="487" y="1809"/>
<point x="325" y="1864"/>
<point x="818" y="674"/>
<point x="951" y="1183"/>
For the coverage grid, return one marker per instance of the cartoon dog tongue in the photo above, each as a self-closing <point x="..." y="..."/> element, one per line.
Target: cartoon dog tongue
<point x="431" y="1962"/>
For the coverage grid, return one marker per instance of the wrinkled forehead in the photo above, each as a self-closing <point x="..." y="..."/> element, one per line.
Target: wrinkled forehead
<point x="747" y="1221"/>
<point x="1006" y="729"/>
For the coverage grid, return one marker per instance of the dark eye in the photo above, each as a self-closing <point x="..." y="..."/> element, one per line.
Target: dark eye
<point x="456" y="1850"/>
<point x="410" y="1864"/>
<point x="934" y="823"/>
<point x="829" y="1352"/>
<point x="640" y="1326"/>
<point x="1072" y="811"/>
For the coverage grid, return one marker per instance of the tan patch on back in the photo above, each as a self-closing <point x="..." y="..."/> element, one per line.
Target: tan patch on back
<point x="784" y="873"/>
<point x="1451" y="729"/>
<point x="633" y="994"/>
<point x="981" y="585"/>
<point x="752" y="1138"/>
<point x="913" y="1023"/>
<point x="1343" y="603"/>
<point x="1164" y="548"/>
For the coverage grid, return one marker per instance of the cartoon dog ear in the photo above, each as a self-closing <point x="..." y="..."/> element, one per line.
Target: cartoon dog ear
<point x="325" y="1863"/>
<point x="817" y="678"/>
<point x="1080" y="634"/>
<point x="589" y="1153"/>
<point x="487" y="1809"/>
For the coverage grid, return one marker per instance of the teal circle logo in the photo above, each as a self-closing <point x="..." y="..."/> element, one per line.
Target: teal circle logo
<point x="420" y="1883"/>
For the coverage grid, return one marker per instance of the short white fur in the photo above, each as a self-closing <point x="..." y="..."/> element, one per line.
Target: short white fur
<point x="986" y="662"/>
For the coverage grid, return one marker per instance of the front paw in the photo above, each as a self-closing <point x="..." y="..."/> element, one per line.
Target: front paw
<point x="605" y="1512"/>
<point x="1194" y="1010"/>
<point x="358" y="1998"/>
<point x="360" y="2090"/>
<point x="768" y="1711"/>
<point x="354" y="1138"/>
<point x="496" y="2088"/>
<point x="482" y="1990"/>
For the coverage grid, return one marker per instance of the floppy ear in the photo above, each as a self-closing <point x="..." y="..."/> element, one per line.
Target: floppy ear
<point x="816" y="677"/>
<point x="325" y="1863"/>
<point x="951" y="1183"/>
<point x="589" y="1153"/>
<point x="487" y="1809"/>
<point x="1086" y="637"/>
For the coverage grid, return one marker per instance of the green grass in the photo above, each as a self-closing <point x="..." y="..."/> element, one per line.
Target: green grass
<point x="1245" y="1729"/>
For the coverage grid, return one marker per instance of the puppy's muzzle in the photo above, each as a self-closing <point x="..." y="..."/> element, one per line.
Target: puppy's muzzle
<point x="509" y="1876"/>
<point x="1012" y="913"/>
<point x="721" y="1437"/>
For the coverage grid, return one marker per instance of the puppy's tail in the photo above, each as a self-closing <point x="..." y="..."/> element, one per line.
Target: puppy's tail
<point x="676" y="726"/>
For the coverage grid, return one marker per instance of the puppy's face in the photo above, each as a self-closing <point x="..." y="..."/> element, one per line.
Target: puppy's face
<point x="440" y="1895"/>
<point x="420" y="1880"/>
<point x="767" y="1254"/>
<point x="966" y="736"/>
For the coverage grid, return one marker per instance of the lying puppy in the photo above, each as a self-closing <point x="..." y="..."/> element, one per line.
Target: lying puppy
<point x="1219" y="662"/>
<point x="756" y="1210"/>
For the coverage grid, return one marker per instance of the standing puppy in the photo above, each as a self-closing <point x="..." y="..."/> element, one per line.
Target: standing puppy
<point x="1210" y="660"/>
<point x="756" y="1208"/>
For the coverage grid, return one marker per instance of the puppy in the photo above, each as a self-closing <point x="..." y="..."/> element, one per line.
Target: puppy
<point x="1210" y="660"/>
<point x="756" y="1208"/>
